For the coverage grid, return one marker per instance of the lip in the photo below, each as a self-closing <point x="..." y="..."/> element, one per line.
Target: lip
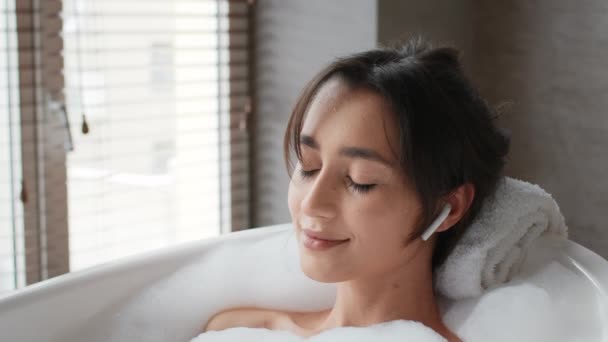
<point x="318" y="242"/>
<point x="319" y="236"/>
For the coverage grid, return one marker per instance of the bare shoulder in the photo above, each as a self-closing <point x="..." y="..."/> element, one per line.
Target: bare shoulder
<point x="301" y="323"/>
<point x="242" y="317"/>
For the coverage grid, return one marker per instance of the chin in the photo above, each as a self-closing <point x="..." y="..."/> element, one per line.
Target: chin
<point x="318" y="270"/>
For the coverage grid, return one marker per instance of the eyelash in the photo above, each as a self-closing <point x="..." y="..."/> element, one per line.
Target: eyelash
<point x="361" y="188"/>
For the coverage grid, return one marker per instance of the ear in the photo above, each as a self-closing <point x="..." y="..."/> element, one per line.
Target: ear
<point x="460" y="200"/>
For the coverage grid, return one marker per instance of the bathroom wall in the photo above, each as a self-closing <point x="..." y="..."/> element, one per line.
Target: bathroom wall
<point x="295" y="39"/>
<point x="447" y="22"/>
<point x="549" y="58"/>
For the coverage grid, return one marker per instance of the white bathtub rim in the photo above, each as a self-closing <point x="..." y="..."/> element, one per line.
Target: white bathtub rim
<point x="180" y="253"/>
<point x="588" y="262"/>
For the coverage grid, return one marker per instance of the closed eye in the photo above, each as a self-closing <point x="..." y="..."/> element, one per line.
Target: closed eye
<point x="307" y="174"/>
<point x="362" y="188"/>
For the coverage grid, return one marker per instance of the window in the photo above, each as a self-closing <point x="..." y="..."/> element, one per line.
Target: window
<point x="142" y="118"/>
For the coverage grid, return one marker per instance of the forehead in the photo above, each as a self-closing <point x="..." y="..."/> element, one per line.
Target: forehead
<point x="343" y="116"/>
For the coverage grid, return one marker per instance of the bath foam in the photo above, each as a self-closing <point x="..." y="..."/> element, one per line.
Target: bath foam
<point x="520" y="313"/>
<point x="551" y="304"/>
<point x="393" y="331"/>
<point x="265" y="273"/>
<point x="573" y="300"/>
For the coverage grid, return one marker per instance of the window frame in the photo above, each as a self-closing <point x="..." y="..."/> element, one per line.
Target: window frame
<point x="44" y="154"/>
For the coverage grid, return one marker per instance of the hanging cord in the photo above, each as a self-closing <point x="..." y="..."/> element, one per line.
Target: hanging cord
<point x="23" y="194"/>
<point x="85" y="125"/>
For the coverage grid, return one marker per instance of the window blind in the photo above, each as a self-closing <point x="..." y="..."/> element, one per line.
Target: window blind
<point x="133" y="120"/>
<point x="154" y="94"/>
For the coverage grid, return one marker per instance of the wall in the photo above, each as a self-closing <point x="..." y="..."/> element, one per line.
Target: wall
<point x="448" y="22"/>
<point x="549" y="59"/>
<point x="295" y="39"/>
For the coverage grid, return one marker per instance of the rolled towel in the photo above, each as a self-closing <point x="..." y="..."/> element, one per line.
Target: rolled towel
<point x="491" y="250"/>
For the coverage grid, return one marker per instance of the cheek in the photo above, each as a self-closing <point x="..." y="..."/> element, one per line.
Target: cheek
<point x="294" y="198"/>
<point x="380" y="242"/>
<point x="380" y="234"/>
<point x="383" y="221"/>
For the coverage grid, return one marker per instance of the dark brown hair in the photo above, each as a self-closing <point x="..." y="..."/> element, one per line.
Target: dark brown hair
<point x="447" y="132"/>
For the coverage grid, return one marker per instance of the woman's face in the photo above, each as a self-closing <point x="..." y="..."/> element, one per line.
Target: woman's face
<point x="349" y="187"/>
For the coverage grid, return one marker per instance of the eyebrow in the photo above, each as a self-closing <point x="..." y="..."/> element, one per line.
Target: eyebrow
<point x="350" y="151"/>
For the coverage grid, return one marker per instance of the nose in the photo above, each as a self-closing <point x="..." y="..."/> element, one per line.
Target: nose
<point x="320" y="198"/>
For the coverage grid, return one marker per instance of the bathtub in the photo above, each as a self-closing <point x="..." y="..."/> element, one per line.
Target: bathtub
<point x="145" y="297"/>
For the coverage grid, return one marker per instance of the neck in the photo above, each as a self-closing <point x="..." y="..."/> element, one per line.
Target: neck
<point x="402" y="293"/>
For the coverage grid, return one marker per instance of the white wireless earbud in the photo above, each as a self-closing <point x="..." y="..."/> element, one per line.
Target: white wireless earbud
<point x="440" y="218"/>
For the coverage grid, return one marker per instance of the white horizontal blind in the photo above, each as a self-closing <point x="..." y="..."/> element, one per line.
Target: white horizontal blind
<point x="162" y="88"/>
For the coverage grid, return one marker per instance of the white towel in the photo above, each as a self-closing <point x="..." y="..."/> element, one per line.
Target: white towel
<point x="491" y="250"/>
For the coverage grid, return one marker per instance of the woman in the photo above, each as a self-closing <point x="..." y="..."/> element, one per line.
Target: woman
<point x="385" y="140"/>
